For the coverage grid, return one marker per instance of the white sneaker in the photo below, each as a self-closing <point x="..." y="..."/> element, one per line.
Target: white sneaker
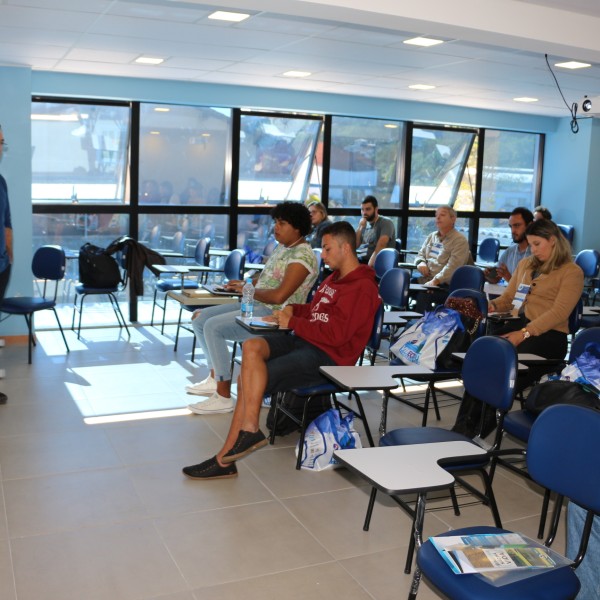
<point x="212" y="406"/>
<point x="207" y="387"/>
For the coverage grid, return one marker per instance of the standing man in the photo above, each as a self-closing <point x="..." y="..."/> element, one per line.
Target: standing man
<point x="375" y="232"/>
<point x="519" y="218"/>
<point x="6" y="237"/>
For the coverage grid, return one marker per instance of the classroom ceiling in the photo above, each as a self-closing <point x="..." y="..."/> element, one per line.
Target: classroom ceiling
<point x="493" y="50"/>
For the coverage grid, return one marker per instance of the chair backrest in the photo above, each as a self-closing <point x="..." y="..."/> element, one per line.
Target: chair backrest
<point x="385" y="260"/>
<point x="575" y="317"/>
<point x="154" y="236"/>
<point x="489" y="249"/>
<point x="202" y="252"/>
<point x="269" y="248"/>
<point x="398" y="246"/>
<point x="375" y="338"/>
<point x="49" y="263"/>
<point x="393" y="288"/>
<point x="482" y="304"/>
<point x="589" y="261"/>
<point x="568" y="231"/>
<point x="467" y="277"/>
<point x="582" y="339"/>
<point x="562" y="453"/>
<point x="178" y="242"/>
<point x="234" y="264"/>
<point x="490" y="370"/>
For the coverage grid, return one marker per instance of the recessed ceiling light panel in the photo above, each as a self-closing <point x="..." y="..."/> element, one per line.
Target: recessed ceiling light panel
<point x="421" y="86"/>
<point x="423" y="41"/>
<point x="526" y="99"/>
<point x="572" y="64"/>
<point x="223" y="15"/>
<point x="297" y="73"/>
<point x="149" y="60"/>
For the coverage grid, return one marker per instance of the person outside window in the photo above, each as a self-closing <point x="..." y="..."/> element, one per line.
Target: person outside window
<point x="319" y="220"/>
<point x="288" y="277"/>
<point x="332" y="330"/>
<point x="374" y="233"/>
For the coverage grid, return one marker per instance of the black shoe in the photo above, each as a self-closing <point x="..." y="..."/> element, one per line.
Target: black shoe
<point x="211" y="469"/>
<point x="247" y="442"/>
<point x="3" y="398"/>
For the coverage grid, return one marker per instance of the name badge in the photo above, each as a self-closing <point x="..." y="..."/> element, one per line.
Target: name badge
<point x="436" y="250"/>
<point x="520" y="295"/>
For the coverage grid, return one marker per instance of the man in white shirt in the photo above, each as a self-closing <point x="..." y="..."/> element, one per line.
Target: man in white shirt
<point x="518" y="221"/>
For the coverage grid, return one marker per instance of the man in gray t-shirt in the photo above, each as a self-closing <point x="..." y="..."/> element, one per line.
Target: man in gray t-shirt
<point x="374" y="233"/>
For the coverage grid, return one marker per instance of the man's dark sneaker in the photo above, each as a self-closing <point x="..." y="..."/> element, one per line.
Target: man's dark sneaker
<point x="246" y="443"/>
<point x="211" y="469"/>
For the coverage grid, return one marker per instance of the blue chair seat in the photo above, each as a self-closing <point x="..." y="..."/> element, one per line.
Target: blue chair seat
<point x="22" y="304"/>
<point x="81" y="288"/>
<point x="557" y="583"/>
<point x="518" y="423"/>
<point x="168" y="285"/>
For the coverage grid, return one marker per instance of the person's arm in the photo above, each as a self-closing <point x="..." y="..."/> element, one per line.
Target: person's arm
<point x="421" y="260"/>
<point x="359" y="231"/>
<point x="8" y="234"/>
<point x="459" y="255"/>
<point x="382" y="243"/>
<point x="293" y="277"/>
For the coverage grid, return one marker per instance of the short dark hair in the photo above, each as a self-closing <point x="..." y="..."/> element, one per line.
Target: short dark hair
<point x="343" y="231"/>
<point x="543" y="211"/>
<point x="524" y="212"/>
<point x="294" y="213"/>
<point x="370" y="199"/>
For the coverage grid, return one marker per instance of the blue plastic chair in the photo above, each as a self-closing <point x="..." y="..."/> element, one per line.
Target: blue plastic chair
<point x="48" y="265"/>
<point x="568" y="231"/>
<point x="489" y="249"/>
<point x="393" y="288"/>
<point x="488" y="373"/>
<point x="562" y="456"/>
<point x="467" y="277"/>
<point x="330" y="388"/>
<point x="385" y="260"/>
<point x="589" y="262"/>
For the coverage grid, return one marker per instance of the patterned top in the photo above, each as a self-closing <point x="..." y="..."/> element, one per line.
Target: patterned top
<point x="272" y="275"/>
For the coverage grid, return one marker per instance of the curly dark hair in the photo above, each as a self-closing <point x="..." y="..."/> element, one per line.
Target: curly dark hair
<point x="294" y="213"/>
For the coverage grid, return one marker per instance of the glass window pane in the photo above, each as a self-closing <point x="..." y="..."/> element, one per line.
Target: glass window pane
<point x="420" y="227"/>
<point x="79" y="152"/>
<point x="256" y="236"/>
<point x="277" y="158"/>
<point x="510" y="170"/>
<point x="158" y="231"/>
<point x="185" y="154"/>
<point x="364" y="160"/>
<point x="439" y="173"/>
<point x="495" y="228"/>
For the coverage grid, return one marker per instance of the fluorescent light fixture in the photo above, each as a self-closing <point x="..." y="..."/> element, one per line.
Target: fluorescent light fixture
<point x="525" y="99"/>
<point x="297" y="73"/>
<point x="148" y="60"/>
<point x="223" y="15"/>
<point x="421" y="86"/>
<point x="72" y="117"/>
<point x="423" y="41"/>
<point x="206" y="135"/>
<point x="572" y="64"/>
<point x="162" y="109"/>
<point x="391" y="126"/>
<point x="155" y="133"/>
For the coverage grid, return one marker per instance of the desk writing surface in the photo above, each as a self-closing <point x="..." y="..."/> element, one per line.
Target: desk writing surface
<point x="591" y="311"/>
<point x="393" y="318"/>
<point x="371" y="377"/>
<point x="421" y="287"/>
<point x="253" y="326"/>
<point x="407" y="469"/>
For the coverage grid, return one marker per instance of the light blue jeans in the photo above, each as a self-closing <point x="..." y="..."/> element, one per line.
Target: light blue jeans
<point x="588" y="569"/>
<point x="215" y="327"/>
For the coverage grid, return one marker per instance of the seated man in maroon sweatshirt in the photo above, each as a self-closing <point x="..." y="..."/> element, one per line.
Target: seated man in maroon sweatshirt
<point x="332" y="330"/>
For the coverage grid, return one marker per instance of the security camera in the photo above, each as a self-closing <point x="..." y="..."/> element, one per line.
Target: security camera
<point x="590" y="105"/>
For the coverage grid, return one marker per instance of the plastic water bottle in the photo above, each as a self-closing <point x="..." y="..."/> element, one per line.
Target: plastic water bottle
<point x="247" y="300"/>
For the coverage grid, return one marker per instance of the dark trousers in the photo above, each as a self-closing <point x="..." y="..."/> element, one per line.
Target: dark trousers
<point x="4" y="277"/>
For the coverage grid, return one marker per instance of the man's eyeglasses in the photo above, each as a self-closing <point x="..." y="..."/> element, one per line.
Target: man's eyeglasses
<point x="4" y="145"/>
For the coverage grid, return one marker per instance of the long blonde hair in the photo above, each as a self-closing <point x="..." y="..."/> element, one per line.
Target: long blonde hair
<point x="561" y="251"/>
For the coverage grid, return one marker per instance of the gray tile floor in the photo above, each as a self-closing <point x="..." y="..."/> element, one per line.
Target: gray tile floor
<point x="100" y="510"/>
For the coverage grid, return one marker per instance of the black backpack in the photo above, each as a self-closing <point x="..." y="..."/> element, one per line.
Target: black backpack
<point x="98" y="269"/>
<point x="295" y="404"/>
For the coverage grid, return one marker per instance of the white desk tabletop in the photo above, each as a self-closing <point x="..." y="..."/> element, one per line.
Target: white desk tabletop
<point x="591" y="311"/>
<point x="393" y="318"/>
<point x="371" y="378"/>
<point x="407" y="469"/>
<point x="202" y="298"/>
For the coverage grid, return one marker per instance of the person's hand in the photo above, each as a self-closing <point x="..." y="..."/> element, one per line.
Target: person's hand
<point x="503" y="271"/>
<point x="283" y="316"/>
<point x="432" y="283"/>
<point x="196" y="314"/>
<point x="514" y="337"/>
<point x="234" y="285"/>
<point x="423" y="269"/>
<point x="362" y="224"/>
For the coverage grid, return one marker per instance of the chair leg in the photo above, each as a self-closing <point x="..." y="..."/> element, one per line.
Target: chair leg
<point x="153" y="307"/>
<point x="454" y="500"/>
<point x="369" y="514"/>
<point x="436" y="407"/>
<point x="80" y="313"/>
<point x="29" y="321"/>
<point x="177" y="331"/>
<point x="544" y="514"/>
<point x="411" y="549"/>
<point x="61" y="329"/>
<point x="118" y="313"/>
<point x="164" y="309"/>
